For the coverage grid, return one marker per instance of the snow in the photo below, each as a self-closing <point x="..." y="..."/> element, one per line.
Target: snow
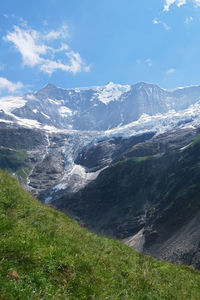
<point x="75" y="179"/>
<point x="8" y="104"/>
<point x="74" y="176"/>
<point x="52" y="129"/>
<point x="183" y="87"/>
<point x="185" y="147"/>
<point x="148" y="90"/>
<point x="29" y="123"/>
<point x="65" y="111"/>
<point x="106" y="94"/>
<point x="31" y="97"/>
<point x="5" y="121"/>
<point x="54" y="102"/>
<point x="159" y="123"/>
<point x="46" y="116"/>
<point x="110" y="92"/>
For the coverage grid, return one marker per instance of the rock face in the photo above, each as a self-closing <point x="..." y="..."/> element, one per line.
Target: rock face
<point x="103" y="153"/>
<point x="49" y="167"/>
<point x="33" y="156"/>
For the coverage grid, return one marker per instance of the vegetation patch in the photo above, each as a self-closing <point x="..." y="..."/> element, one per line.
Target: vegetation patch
<point x="15" y="162"/>
<point x="196" y="140"/>
<point x="133" y="159"/>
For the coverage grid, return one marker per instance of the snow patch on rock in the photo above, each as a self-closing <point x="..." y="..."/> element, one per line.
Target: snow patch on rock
<point x="65" y="111"/>
<point x="8" y="104"/>
<point x="111" y="92"/>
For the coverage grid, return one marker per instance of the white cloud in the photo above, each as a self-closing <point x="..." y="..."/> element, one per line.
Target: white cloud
<point x="76" y="65"/>
<point x="165" y="26"/>
<point x="10" y="86"/>
<point x="36" y="50"/>
<point x="27" y="43"/>
<point x="178" y="3"/>
<point x="149" y="62"/>
<point x="76" y="61"/>
<point x="171" y="71"/>
<point x="168" y="3"/>
<point x="56" y="34"/>
<point x="19" y="19"/>
<point x="189" y="20"/>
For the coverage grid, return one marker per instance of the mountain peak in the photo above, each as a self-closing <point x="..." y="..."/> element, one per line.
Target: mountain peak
<point x="110" y="83"/>
<point x="49" y="86"/>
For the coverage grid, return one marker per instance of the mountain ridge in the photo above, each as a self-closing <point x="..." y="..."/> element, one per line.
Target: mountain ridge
<point x="100" y="108"/>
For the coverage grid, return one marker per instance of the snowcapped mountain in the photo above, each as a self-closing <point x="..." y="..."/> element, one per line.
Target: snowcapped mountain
<point x="109" y="108"/>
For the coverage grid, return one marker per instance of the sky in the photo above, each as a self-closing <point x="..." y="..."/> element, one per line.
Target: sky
<point x="80" y="43"/>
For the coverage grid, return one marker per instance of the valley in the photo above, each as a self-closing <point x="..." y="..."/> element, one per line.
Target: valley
<point x="121" y="160"/>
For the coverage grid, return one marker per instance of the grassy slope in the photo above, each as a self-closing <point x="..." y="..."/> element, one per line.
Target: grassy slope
<point x="15" y="161"/>
<point x="14" y="143"/>
<point x="56" y="259"/>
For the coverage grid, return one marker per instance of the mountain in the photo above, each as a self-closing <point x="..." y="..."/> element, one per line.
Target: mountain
<point x="45" y="255"/>
<point x="109" y="107"/>
<point x="116" y="158"/>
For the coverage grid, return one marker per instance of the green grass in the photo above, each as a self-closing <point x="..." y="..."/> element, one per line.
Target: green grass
<point x="196" y="140"/>
<point x="132" y="160"/>
<point x="57" y="259"/>
<point x="15" y="161"/>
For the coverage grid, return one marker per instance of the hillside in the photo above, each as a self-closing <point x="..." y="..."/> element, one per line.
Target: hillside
<point x="45" y="255"/>
<point x="150" y="198"/>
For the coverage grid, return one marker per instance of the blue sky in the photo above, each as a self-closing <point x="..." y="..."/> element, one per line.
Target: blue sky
<point x="74" y="43"/>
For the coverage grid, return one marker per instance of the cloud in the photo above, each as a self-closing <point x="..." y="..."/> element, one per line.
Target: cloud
<point x="27" y="43"/>
<point x="54" y="35"/>
<point x="76" y="64"/>
<point x="20" y="19"/>
<point x="165" y="26"/>
<point x="171" y="71"/>
<point x="10" y="86"/>
<point x="36" y="50"/>
<point x="149" y="62"/>
<point x="168" y="3"/>
<point x="188" y="20"/>
<point x="178" y="3"/>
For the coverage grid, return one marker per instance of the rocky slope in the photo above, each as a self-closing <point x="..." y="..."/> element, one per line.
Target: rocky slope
<point x="150" y="198"/>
